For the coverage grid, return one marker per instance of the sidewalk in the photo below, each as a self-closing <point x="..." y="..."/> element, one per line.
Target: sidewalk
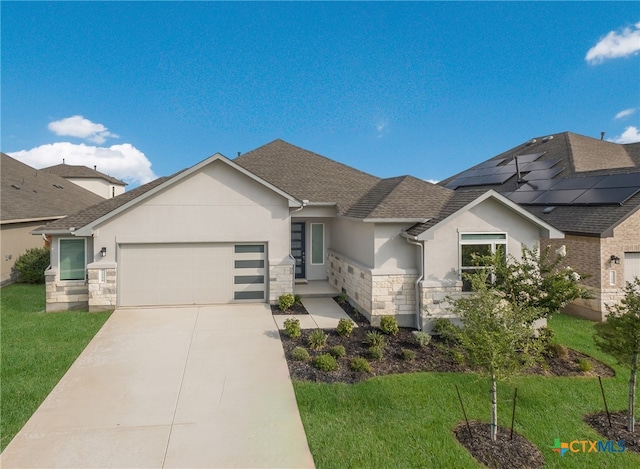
<point x="324" y="313"/>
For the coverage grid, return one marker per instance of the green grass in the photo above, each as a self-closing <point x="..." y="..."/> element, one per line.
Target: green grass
<point x="408" y="420"/>
<point x="37" y="348"/>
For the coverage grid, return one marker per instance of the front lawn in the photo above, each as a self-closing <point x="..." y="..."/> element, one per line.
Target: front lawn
<point x="36" y="348"/>
<point x="408" y="420"/>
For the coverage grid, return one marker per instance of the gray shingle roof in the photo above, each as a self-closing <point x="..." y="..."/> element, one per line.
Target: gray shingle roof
<point x="78" y="171"/>
<point x="28" y="193"/>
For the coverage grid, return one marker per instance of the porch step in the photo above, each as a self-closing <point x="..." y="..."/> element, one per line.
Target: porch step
<point x="316" y="289"/>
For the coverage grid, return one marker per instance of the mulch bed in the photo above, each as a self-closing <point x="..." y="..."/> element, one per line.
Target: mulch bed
<point x="618" y="429"/>
<point x="297" y="308"/>
<point x="504" y="453"/>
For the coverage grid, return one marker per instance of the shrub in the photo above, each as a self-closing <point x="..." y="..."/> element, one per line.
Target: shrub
<point x="389" y="325"/>
<point x="408" y="355"/>
<point x="557" y="351"/>
<point x="32" y="264"/>
<point x="342" y="298"/>
<point x="422" y="338"/>
<point x="338" y="351"/>
<point x="360" y="364"/>
<point x="376" y="352"/>
<point x="375" y="339"/>
<point x="317" y="339"/>
<point x="285" y="301"/>
<point x="292" y="328"/>
<point x="447" y="330"/>
<point x="345" y="327"/>
<point x="584" y="365"/>
<point x="297" y="299"/>
<point x="300" y="354"/>
<point x="457" y="356"/>
<point x="546" y="335"/>
<point x="325" y="362"/>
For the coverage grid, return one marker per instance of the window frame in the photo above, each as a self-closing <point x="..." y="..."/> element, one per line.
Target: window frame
<point x="311" y="244"/>
<point x="501" y="238"/>
<point x="84" y="268"/>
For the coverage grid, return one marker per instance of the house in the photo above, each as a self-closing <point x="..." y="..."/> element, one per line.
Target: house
<point x="30" y="198"/>
<point x="585" y="187"/>
<point x="258" y="226"/>
<point x="91" y="179"/>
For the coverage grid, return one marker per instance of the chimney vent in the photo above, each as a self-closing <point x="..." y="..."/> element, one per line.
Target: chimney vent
<point x="601" y="135"/>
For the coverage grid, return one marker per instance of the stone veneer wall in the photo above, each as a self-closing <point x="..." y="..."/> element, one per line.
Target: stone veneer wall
<point x="280" y="281"/>
<point x="434" y="299"/>
<point x="374" y="294"/>
<point x="102" y="286"/>
<point x="64" y="295"/>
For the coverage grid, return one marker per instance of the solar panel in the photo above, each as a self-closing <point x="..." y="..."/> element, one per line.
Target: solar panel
<point x="522" y="159"/>
<point x="525" y="197"/>
<point x="620" y="180"/>
<point x="578" y="182"/>
<point x="490" y="163"/>
<point x="617" y="195"/>
<point x="541" y="185"/>
<point x="559" y="197"/>
<point x="536" y="165"/>
<point x="542" y="174"/>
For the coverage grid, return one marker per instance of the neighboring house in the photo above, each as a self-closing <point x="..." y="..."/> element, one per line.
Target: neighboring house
<point x="585" y="187"/>
<point x="250" y="229"/>
<point x="31" y="198"/>
<point x="99" y="183"/>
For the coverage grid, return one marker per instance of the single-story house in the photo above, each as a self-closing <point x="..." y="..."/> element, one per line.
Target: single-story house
<point x="29" y="198"/>
<point x="91" y="179"/>
<point x="587" y="188"/>
<point x="253" y="228"/>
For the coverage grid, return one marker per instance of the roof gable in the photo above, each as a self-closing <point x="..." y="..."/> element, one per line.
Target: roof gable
<point x="79" y="171"/>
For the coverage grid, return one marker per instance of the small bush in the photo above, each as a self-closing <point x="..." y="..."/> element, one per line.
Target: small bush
<point x="389" y="325"/>
<point x="300" y="354"/>
<point x="32" y="264"/>
<point x="360" y="364"/>
<point x="557" y="351"/>
<point x="375" y="339"/>
<point x="457" y="356"/>
<point x="584" y="365"/>
<point x="408" y="355"/>
<point x="376" y="352"/>
<point x="342" y="298"/>
<point x="546" y="335"/>
<point x="285" y="301"/>
<point x="338" y="351"/>
<point x="325" y="362"/>
<point x="297" y="299"/>
<point x="317" y="339"/>
<point x="447" y="330"/>
<point x="292" y="328"/>
<point x="422" y="338"/>
<point x="345" y="327"/>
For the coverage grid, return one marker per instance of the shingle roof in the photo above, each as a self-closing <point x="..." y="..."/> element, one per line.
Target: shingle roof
<point x="79" y="171"/>
<point x="578" y="156"/>
<point x="307" y="175"/>
<point x="28" y="193"/>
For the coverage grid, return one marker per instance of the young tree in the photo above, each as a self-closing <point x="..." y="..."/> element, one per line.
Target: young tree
<point x="496" y="336"/>
<point x="620" y="336"/>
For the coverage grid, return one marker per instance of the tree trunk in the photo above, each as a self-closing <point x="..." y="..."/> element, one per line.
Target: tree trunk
<point x="494" y="408"/>
<point x="631" y="415"/>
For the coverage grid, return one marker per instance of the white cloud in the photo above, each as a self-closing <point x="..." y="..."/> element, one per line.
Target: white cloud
<point x="78" y="126"/>
<point x="432" y="181"/>
<point x="625" y="113"/>
<point x="124" y="162"/>
<point x="630" y="135"/>
<point x="615" y="45"/>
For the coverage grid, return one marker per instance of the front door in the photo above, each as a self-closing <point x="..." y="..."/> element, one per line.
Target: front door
<point x="298" y="248"/>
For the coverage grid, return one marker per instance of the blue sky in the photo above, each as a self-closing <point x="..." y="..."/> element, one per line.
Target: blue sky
<point x="429" y="89"/>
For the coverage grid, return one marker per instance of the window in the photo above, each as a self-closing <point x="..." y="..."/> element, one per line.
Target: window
<point x="480" y="244"/>
<point x="244" y="248"/>
<point x="317" y="243"/>
<point x="72" y="259"/>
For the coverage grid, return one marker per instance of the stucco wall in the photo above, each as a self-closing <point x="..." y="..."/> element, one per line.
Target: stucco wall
<point x="14" y="241"/>
<point x="354" y="239"/>
<point x="392" y="251"/>
<point x="101" y="187"/>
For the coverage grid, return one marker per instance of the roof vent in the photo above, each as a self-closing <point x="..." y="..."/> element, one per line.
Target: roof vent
<point x="547" y="138"/>
<point x="548" y="210"/>
<point x="531" y="142"/>
<point x="15" y="186"/>
<point x="58" y="186"/>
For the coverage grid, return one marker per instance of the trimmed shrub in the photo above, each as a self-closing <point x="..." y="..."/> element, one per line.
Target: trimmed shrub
<point x="325" y="362"/>
<point x="285" y="301"/>
<point x="447" y="330"/>
<point x="338" y="351"/>
<point x="584" y="365"/>
<point x="389" y="325"/>
<point x="360" y="365"/>
<point x="375" y="339"/>
<point x="345" y="327"/>
<point x="297" y="299"/>
<point x="300" y="354"/>
<point x="342" y="298"/>
<point x="376" y="352"/>
<point x="32" y="264"/>
<point x="408" y="355"/>
<point x="558" y="351"/>
<point x="317" y="339"/>
<point x="422" y="338"/>
<point x="292" y="328"/>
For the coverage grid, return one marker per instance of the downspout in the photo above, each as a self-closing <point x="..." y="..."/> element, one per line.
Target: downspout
<point x="418" y="280"/>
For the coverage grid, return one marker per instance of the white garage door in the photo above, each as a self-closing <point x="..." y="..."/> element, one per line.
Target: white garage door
<point x="631" y="266"/>
<point x="194" y="273"/>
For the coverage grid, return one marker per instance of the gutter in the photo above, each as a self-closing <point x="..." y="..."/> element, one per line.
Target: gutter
<point x="413" y="240"/>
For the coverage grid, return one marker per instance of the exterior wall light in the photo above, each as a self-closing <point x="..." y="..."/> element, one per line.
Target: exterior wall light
<point x="103" y="251"/>
<point x="615" y="259"/>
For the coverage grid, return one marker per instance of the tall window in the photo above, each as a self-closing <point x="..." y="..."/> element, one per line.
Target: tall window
<point x="478" y="244"/>
<point x="317" y="243"/>
<point x="72" y="259"/>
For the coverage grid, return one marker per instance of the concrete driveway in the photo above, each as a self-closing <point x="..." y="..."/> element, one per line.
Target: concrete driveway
<point x="171" y="387"/>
